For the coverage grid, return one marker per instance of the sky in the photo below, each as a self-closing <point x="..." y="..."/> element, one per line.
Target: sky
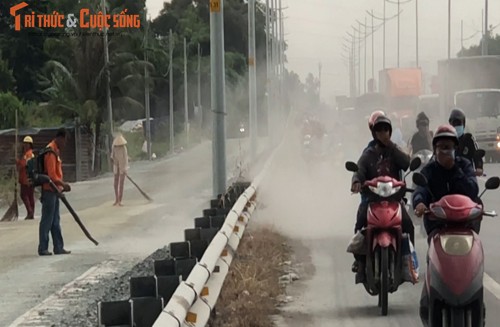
<point x="314" y="31"/>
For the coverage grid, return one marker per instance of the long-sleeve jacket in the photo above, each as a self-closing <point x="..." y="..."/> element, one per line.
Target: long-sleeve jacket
<point x="378" y="160"/>
<point x="458" y="180"/>
<point x="21" y="167"/>
<point x="467" y="147"/>
<point x="53" y="167"/>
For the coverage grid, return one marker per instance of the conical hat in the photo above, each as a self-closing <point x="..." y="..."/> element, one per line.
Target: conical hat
<point x="119" y="140"/>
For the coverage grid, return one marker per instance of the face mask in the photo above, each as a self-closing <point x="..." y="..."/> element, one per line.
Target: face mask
<point x="448" y="153"/>
<point x="460" y="130"/>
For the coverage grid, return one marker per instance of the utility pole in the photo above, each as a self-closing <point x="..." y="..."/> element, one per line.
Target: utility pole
<point x="416" y="27"/>
<point x="383" y="54"/>
<point x="186" y="116"/>
<point x="282" y="61"/>
<point x="384" y="20"/>
<point x="200" y="109"/>
<point x="146" y="91"/>
<point x="356" y="66"/>
<point x="462" y="35"/>
<point x="359" y="56"/>
<point x="171" y="91"/>
<point x="268" y="70"/>
<point x="276" y="82"/>
<point x="366" y="37"/>
<point x="373" y="47"/>
<point x="398" y="30"/>
<point x="252" y="81"/>
<point x="449" y="29"/>
<point x="218" y="95"/>
<point x="319" y="86"/>
<point x="108" y="78"/>
<point x="272" y="69"/>
<point x="484" y="48"/>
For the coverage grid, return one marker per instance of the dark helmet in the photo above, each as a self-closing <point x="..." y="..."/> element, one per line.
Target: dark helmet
<point x="445" y="131"/>
<point x="456" y="115"/>
<point x="382" y="120"/>
<point x="422" y="119"/>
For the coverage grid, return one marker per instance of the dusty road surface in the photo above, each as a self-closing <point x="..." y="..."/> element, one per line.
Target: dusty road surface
<point x="313" y="205"/>
<point x="181" y="187"/>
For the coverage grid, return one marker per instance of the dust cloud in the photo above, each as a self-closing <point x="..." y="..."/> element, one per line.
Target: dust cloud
<point x="312" y="200"/>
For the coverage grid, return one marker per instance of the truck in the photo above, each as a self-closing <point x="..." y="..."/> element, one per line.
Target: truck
<point x="402" y="88"/>
<point x="473" y="85"/>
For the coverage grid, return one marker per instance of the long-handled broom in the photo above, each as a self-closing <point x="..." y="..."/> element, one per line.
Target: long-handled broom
<point x="12" y="213"/>
<point x="140" y="190"/>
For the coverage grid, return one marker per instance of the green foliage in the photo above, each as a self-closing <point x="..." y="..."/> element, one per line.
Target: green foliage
<point x="9" y="104"/>
<point x="7" y="80"/>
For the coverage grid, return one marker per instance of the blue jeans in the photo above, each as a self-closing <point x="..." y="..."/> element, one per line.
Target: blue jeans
<point x="50" y="222"/>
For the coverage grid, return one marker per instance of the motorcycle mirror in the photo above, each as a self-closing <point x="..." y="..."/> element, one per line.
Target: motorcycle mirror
<point x="492" y="183"/>
<point x="419" y="179"/>
<point x="351" y="166"/>
<point x="415" y="163"/>
<point x="480" y="153"/>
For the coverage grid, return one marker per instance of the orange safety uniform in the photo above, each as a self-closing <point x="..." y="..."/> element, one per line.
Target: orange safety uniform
<point x="21" y="167"/>
<point x="53" y="167"/>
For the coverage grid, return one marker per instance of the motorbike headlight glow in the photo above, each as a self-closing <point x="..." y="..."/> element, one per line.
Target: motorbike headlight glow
<point x="456" y="244"/>
<point x="384" y="189"/>
<point x="498" y="145"/>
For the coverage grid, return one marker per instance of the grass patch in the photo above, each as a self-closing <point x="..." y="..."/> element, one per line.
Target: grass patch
<point x="250" y="291"/>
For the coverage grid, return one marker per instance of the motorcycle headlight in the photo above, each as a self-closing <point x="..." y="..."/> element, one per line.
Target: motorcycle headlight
<point x="498" y="145"/>
<point x="384" y="190"/>
<point x="456" y="244"/>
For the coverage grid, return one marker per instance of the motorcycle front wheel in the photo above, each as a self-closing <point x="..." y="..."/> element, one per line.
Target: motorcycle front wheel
<point x="384" y="281"/>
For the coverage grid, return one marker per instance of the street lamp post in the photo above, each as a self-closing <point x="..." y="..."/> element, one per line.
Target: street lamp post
<point x="218" y="96"/>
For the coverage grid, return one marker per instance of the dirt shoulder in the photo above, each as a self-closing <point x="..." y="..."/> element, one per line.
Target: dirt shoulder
<point x="256" y="286"/>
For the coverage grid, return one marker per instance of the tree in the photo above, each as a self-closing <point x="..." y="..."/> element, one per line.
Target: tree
<point x="23" y="51"/>
<point x="9" y="104"/>
<point x="476" y="50"/>
<point x="312" y="90"/>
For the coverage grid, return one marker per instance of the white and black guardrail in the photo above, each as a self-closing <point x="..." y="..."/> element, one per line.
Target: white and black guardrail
<point x="193" y="301"/>
<point x="185" y="286"/>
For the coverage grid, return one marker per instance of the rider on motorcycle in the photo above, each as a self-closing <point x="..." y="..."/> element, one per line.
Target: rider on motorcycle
<point x="467" y="145"/>
<point x="448" y="174"/>
<point x="380" y="158"/>
<point x="422" y="139"/>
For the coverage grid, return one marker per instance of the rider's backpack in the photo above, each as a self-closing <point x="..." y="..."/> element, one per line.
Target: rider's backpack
<point x="36" y="166"/>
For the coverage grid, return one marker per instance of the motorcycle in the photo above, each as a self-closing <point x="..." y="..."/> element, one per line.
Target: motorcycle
<point x="455" y="261"/>
<point x="313" y="148"/>
<point x="384" y="237"/>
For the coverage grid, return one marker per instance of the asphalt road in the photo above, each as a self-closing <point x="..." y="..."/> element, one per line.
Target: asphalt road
<point x="313" y="206"/>
<point x="181" y="187"/>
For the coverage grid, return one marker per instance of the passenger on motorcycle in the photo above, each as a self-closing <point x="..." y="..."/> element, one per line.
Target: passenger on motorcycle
<point x="397" y="135"/>
<point x="448" y="174"/>
<point x="380" y="158"/>
<point x="467" y="145"/>
<point x="422" y="139"/>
